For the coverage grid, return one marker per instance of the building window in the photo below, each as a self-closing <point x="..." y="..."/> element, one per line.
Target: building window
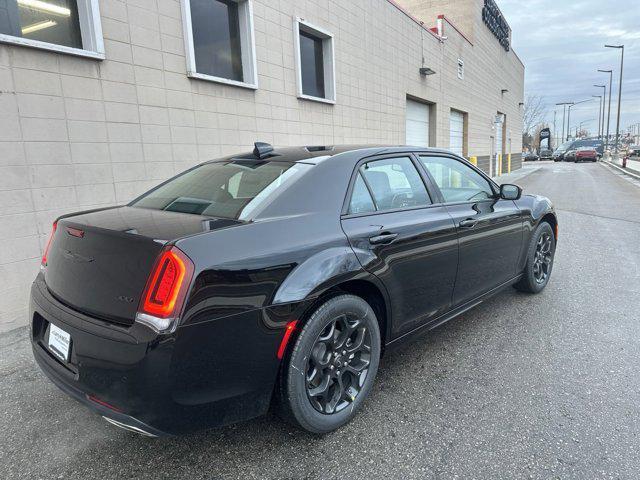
<point x="220" y="42"/>
<point x="460" y="69"/>
<point x="314" y="62"/>
<point x="68" y="26"/>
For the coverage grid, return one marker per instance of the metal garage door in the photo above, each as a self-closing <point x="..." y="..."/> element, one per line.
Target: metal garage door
<point x="417" y="124"/>
<point x="456" y="132"/>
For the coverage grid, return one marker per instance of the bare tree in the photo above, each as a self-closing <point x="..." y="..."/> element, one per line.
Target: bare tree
<point x="535" y="111"/>
<point x="584" y="133"/>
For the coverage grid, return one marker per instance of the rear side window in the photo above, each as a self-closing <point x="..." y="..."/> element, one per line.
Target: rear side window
<point x="361" y="201"/>
<point x="234" y="189"/>
<point x="389" y="184"/>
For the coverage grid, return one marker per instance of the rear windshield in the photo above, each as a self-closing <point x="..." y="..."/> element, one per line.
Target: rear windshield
<point x="235" y="189"/>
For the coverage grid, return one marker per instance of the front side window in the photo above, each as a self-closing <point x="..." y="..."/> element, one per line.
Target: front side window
<point x="63" y="25"/>
<point x="457" y="182"/>
<point x="236" y="189"/>
<point x="394" y="183"/>
<point x="314" y="62"/>
<point x="220" y="45"/>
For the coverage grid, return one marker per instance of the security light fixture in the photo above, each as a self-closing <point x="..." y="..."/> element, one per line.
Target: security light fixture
<point x="504" y="90"/>
<point x="427" y="71"/>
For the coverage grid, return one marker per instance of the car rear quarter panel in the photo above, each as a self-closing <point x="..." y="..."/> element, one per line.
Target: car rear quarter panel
<point x="250" y="281"/>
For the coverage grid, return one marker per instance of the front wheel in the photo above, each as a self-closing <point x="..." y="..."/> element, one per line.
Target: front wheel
<point x="540" y="256"/>
<point x="332" y="365"/>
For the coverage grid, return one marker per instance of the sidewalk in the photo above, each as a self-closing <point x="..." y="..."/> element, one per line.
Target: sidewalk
<point x="633" y="165"/>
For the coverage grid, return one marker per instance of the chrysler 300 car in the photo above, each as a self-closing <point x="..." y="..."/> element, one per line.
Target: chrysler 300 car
<point x="274" y="278"/>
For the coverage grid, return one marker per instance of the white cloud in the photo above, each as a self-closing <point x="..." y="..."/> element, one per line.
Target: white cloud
<point x="561" y="43"/>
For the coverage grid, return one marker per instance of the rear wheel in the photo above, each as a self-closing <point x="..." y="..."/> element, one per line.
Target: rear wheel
<point x="332" y="365"/>
<point x="539" y="260"/>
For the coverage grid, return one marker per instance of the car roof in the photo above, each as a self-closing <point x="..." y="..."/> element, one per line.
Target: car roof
<point x="315" y="154"/>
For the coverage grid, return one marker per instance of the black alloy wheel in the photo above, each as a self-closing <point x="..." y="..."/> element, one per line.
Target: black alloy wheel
<point x="540" y="257"/>
<point x="332" y="365"/>
<point x="339" y="364"/>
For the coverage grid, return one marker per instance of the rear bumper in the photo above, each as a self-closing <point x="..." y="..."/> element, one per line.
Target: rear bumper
<point x="122" y="420"/>
<point x="204" y="375"/>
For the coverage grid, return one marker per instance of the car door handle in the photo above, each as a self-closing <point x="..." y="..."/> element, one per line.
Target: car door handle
<point x="383" y="239"/>
<point x="468" y="223"/>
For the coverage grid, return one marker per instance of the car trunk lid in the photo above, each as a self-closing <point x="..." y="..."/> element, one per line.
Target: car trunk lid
<point x="99" y="262"/>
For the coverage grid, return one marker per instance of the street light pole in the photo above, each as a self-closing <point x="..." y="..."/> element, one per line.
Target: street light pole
<point x="610" y="72"/>
<point x="579" y="128"/>
<point x="604" y="99"/>
<point x="599" y="97"/>
<point x="564" y="113"/>
<point x="620" y="47"/>
<point x="572" y="104"/>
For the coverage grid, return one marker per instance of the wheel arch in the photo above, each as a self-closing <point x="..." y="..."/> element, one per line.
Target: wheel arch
<point x="552" y="220"/>
<point x="370" y="289"/>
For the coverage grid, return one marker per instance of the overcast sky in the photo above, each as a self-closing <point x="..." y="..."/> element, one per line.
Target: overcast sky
<point x="561" y="44"/>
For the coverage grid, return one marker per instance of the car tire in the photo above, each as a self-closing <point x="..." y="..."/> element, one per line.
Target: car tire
<point x="540" y="257"/>
<point x="306" y="370"/>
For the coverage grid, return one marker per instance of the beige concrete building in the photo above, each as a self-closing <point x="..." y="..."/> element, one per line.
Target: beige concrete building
<point x="102" y="99"/>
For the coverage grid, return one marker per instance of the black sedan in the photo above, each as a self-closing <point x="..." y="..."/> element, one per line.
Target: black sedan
<point x="570" y="155"/>
<point x="274" y="278"/>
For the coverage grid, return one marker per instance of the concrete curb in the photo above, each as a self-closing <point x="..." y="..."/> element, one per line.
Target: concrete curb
<point x="631" y="173"/>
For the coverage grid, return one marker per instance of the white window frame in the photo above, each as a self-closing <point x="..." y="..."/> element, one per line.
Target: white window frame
<point x="461" y="69"/>
<point x="247" y="47"/>
<point x="328" y="57"/>
<point x="90" y="32"/>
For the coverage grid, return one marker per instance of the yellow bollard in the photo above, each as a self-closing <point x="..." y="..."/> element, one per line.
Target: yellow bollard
<point x="474" y="160"/>
<point x="499" y="164"/>
<point x="509" y="164"/>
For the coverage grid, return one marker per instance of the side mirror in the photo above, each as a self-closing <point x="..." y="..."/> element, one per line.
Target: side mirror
<point x="510" y="192"/>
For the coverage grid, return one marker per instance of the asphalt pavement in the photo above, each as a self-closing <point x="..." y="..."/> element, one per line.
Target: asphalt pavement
<point x="523" y="386"/>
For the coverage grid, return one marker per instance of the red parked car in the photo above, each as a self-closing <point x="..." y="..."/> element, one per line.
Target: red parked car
<point x="586" y="154"/>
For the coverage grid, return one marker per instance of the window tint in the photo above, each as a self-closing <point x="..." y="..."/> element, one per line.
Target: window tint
<point x="233" y="189"/>
<point x="361" y="201"/>
<point x="216" y="38"/>
<point x="312" y="65"/>
<point x="457" y="182"/>
<point x="53" y="21"/>
<point x="395" y="183"/>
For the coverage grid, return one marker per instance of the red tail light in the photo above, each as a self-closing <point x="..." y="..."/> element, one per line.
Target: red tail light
<point x="166" y="290"/>
<point x="46" y="249"/>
